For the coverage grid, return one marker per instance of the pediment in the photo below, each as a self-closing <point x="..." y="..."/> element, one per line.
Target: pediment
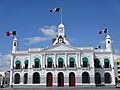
<point x="61" y="47"/>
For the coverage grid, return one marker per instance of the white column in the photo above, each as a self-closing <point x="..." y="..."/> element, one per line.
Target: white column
<point x="54" y="60"/>
<point x="11" y="69"/>
<point x="68" y="63"/>
<point x="77" y="60"/>
<point x="112" y="66"/>
<point x="11" y="77"/>
<point x="12" y="61"/>
<point x="81" y="62"/>
<point x="29" y="62"/>
<point x="91" y="61"/>
<point x="65" y="60"/>
<point x="57" y="59"/>
<point x="43" y="59"/>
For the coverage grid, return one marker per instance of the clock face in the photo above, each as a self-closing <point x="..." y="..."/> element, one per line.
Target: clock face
<point x="61" y="30"/>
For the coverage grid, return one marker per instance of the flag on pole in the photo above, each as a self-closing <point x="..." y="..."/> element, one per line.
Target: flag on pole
<point x="10" y="33"/>
<point x="100" y="32"/>
<point x="103" y="31"/>
<point x="55" y="10"/>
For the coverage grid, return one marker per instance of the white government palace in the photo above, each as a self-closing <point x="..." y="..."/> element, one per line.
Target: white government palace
<point x="62" y="65"/>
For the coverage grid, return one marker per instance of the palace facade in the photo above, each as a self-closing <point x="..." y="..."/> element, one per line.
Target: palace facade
<point x="62" y="65"/>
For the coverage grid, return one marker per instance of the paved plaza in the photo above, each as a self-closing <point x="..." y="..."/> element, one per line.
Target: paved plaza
<point x="96" y="88"/>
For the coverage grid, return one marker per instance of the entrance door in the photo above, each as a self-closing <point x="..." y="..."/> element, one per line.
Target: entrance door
<point x="60" y="79"/>
<point x="97" y="78"/>
<point x="49" y="79"/>
<point x="71" y="79"/>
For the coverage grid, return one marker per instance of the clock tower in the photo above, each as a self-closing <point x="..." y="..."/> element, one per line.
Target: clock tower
<point x="61" y="30"/>
<point x="61" y="38"/>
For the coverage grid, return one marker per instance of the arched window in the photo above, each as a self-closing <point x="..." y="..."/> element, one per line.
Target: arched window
<point x="49" y="62"/>
<point x="97" y="78"/>
<point x="49" y="79"/>
<point x="60" y="79"/>
<point x="36" y="78"/>
<point x="17" y="78"/>
<point x="106" y="63"/>
<point x="85" y="61"/>
<point x="97" y="63"/>
<point x="72" y="79"/>
<point x="60" y="62"/>
<point x="26" y="64"/>
<point x="72" y="61"/>
<point x="37" y="62"/>
<point x="17" y="62"/>
<point x="85" y="77"/>
<point x="107" y="77"/>
<point x="25" y="78"/>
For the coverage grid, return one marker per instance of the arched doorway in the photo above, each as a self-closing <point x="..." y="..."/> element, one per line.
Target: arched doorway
<point x="36" y="78"/>
<point x="25" y="78"/>
<point x="49" y="79"/>
<point x="71" y="79"/>
<point x="60" y="79"/>
<point x="97" y="78"/>
<point x="85" y="77"/>
<point x="17" y="78"/>
<point x="107" y="78"/>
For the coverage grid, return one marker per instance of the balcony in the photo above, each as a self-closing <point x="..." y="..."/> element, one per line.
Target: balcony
<point x="61" y="68"/>
<point x="49" y="68"/>
<point x="85" y="67"/>
<point x="25" y="69"/>
<point x="17" y="69"/>
<point x="98" y="67"/>
<point x="72" y="67"/>
<point x="109" y="68"/>
<point x="36" y="68"/>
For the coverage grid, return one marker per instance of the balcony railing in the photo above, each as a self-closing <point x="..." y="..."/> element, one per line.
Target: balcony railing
<point x="98" y="67"/>
<point x="85" y="67"/>
<point x="107" y="68"/>
<point x="72" y="67"/>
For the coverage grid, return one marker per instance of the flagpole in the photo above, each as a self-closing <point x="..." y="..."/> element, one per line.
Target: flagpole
<point x="107" y="32"/>
<point x="61" y="15"/>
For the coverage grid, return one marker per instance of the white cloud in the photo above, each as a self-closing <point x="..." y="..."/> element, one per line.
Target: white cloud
<point x="34" y="40"/>
<point x="117" y="52"/>
<point x="103" y="42"/>
<point x="49" y="30"/>
<point x="5" y="62"/>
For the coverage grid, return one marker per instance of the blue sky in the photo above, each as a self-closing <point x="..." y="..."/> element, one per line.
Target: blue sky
<point x="83" y="19"/>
